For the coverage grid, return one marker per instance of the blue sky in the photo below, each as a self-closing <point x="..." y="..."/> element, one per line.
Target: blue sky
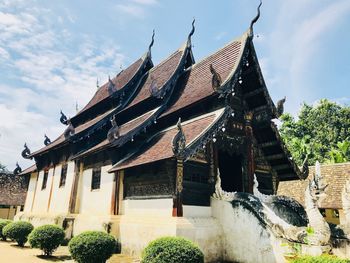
<point x="51" y="52"/>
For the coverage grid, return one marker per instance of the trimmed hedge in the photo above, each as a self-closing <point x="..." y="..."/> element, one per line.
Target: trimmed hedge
<point x="172" y="250"/>
<point x="3" y="223"/>
<point x="92" y="247"/>
<point x="18" y="231"/>
<point x="47" y="237"/>
<point x="319" y="259"/>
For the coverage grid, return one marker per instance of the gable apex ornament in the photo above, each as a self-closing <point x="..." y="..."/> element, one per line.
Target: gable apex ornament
<point x="255" y="19"/>
<point x="179" y="141"/>
<point x="151" y="45"/>
<point x="26" y="152"/>
<point x="189" y="43"/>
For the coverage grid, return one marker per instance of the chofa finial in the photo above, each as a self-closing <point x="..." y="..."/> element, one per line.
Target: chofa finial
<point x="26" y="152"/>
<point x="255" y="19"/>
<point x="63" y="118"/>
<point x="47" y="140"/>
<point x="191" y="33"/>
<point x="17" y="170"/>
<point x="151" y="44"/>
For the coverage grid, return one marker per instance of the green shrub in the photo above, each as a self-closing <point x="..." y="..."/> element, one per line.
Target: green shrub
<point x="3" y="222"/>
<point x="318" y="259"/>
<point x="47" y="238"/>
<point x="18" y="231"/>
<point x="172" y="250"/>
<point x="92" y="247"/>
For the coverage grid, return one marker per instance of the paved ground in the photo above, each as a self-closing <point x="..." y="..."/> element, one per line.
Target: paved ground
<point x="10" y="253"/>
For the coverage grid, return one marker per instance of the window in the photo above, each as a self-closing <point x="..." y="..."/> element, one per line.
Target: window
<point x="335" y="213"/>
<point x="46" y="173"/>
<point x="63" y="175"/>
<point x="96" y="178"/>
<point x="323" y="212"/>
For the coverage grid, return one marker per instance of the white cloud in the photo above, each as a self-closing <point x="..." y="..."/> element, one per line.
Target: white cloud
<point x="220" y="35"/>
<point x="136" y="8"/>
<point x="296" y="38"/>
<point x="145" y="2"/>
<point x="52" y="73"/>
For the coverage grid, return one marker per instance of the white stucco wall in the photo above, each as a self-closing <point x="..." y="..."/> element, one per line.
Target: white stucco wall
<point x="42" y="196"/>
<point x="30" y="193"/>
<point x="96" y="202"/>
<point x="60" y="195"/>
<point x="156" y="207"/>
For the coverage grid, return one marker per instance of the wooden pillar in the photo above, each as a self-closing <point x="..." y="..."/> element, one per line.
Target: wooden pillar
<point x="35" y="189"/>
<point x="78" y="170"/>
<point x="117" y="192"/>
<point x="51" y="188"/>
<point x="114" y="194"/>
<point x="249" y="151"/>
<point x="177" y="201"/>
<point x="120" y="191"/>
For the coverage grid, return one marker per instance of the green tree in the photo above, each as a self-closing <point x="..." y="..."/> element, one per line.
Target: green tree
<point x="322" y="132"/>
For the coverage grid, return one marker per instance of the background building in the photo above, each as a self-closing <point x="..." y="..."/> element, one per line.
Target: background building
<point x="335" y="175"/>
<point x="13" y="190"/>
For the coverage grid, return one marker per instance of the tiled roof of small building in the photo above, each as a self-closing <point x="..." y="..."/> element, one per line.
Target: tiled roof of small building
<point x="335" y="175"/>
<point x="13" y="189"/>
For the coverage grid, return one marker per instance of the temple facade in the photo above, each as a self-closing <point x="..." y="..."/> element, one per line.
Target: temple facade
<point x="141" y="159"/>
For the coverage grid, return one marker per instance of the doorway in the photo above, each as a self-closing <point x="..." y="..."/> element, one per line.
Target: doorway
<point x="230" y="167"/>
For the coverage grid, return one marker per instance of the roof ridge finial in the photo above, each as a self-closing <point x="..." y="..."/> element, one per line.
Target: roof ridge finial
<point x="191" y="33"/>
<point x="151" y="44"/>
<point x="255" y="19"/>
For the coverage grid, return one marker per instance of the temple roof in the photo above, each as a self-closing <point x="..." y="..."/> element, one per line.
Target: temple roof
<point x="158" y="76"/>
<point x="159" y="147"/>
<point x="178" y="88"/>
<point x="196" y="83"/>
<point x="124" y="129"/>
<point x="120" y="80"/>
<point x="29" y="170"/>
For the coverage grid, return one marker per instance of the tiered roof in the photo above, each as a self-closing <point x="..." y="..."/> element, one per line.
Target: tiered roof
<point x="146" y="102"/>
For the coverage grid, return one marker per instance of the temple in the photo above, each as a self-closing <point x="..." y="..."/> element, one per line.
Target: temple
<point x="141" y="159"/>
